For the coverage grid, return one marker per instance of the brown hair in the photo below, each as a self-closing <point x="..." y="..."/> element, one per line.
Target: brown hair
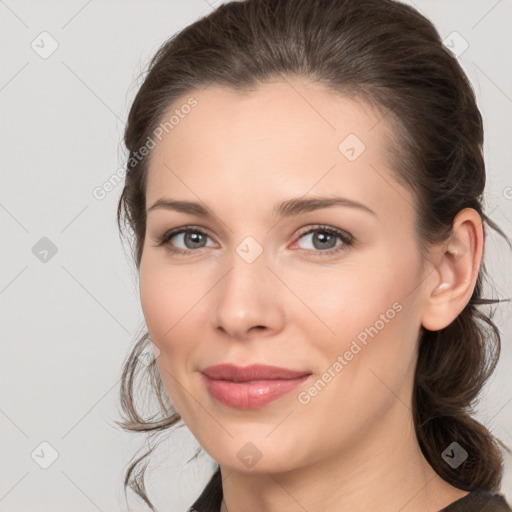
<point x="392" y="57"/>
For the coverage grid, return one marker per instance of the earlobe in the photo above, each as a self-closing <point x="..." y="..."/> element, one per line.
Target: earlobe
<point x="454" y="277"/>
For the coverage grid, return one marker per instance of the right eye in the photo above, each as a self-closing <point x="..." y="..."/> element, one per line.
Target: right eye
<point x="191" y="239"/>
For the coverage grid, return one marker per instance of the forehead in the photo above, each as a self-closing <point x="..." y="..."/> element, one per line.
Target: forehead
<point x="282" y="138"/>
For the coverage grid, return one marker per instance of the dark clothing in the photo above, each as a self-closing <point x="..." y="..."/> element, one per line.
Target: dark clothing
<point x="475" y="501"/>
<point x="479" y="501"/>
<point x="211" y="497"/>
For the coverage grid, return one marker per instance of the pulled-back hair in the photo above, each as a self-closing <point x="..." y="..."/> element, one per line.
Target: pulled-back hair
<point x="390" y="56"/>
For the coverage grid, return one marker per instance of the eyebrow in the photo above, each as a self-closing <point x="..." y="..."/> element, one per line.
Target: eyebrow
<point x="287" y="208"/>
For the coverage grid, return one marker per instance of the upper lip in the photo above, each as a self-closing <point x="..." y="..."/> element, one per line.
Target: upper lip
<point x="251" y="372"/>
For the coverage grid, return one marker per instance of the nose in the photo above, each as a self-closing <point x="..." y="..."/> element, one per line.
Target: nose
<point x="249" y="301"/>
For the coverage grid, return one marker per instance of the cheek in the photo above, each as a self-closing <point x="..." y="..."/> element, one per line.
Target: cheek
<point x="376" y="321"/>
<point x="168" y="298"/>
<point x="156" y="304"/>
<point x="365" y="312"/>
<point x="345" y="300"/>
<point x="167" y="301"/>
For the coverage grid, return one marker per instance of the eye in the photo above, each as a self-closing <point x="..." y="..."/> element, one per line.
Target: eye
<point x="190" y="238"/>
<point x="325" y="240"/>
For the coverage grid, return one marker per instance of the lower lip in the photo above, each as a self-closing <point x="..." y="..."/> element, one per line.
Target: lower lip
<point x="253" y="394"/>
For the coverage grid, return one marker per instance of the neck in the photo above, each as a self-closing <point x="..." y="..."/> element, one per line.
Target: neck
<point x="386" y="472"/>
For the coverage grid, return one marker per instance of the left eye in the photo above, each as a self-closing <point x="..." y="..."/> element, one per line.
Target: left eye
<point x="325" y="239"/>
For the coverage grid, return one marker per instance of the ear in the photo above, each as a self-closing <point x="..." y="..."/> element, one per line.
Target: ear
<point x="451" y="283"/>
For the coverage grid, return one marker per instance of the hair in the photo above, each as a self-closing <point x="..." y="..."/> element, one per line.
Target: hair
<point x="387" y="54"/>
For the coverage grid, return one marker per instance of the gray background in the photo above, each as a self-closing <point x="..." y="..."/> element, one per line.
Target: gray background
<point x="69" y="321"/>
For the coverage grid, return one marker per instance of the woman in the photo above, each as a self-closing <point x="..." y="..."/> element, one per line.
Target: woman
<point x="305" y="188"/>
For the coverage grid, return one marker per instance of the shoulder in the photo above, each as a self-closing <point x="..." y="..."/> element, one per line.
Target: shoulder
<point x="479" y="501"/>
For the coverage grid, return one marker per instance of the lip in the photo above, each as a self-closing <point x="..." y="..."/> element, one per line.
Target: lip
<point x="250" y="387"/>
<point x="252" y="372"/>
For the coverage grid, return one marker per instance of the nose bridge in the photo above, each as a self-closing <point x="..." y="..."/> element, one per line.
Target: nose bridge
<point x="247" y="297"/>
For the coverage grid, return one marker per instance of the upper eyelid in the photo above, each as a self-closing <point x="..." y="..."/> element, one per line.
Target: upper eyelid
<point x="325" y="227"/>
<point x="181" y="230"/>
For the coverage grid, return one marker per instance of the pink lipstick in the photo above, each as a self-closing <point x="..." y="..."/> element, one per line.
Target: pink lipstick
<point x="250" y="387"/>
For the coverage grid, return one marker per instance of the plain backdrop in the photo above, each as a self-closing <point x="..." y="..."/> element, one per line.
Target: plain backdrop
<point x="69" y="299"/>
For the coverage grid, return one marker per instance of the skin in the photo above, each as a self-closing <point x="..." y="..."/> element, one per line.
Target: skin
<point x="239" y="154"/>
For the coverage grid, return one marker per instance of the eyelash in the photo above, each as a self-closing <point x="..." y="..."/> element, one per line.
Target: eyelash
<point x="346" y="238"/>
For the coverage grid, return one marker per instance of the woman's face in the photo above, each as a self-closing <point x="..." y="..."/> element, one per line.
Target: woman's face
<point x="334" y="292"/>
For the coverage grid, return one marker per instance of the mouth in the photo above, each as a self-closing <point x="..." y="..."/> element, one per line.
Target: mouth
<point x="251" y="387"/>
